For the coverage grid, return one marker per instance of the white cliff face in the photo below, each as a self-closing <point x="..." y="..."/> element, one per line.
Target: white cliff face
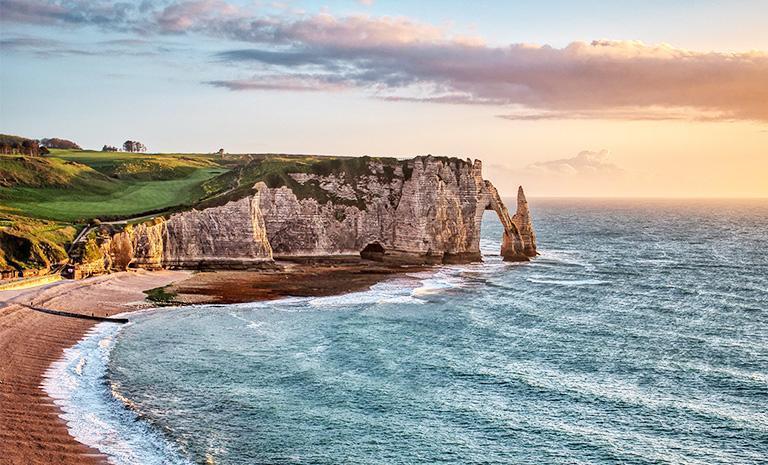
<point x="230" y="236"/>
<point x="424" y="210"/>
<point x="433" y="213"/>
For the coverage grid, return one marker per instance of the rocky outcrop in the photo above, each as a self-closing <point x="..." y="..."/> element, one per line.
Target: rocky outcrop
<point x="429" y="210"/>
<point x="519" y="241"/>
<point x="424" y="210"/>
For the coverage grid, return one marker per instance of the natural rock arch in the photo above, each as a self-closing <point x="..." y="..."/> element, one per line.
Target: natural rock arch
<point x="519" y="240"/>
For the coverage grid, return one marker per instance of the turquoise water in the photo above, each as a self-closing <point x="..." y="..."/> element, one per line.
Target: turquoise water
<point x="640" y="336"/>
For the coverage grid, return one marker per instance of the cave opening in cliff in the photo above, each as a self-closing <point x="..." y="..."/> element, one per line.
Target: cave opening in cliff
<point x="373" y="251"/>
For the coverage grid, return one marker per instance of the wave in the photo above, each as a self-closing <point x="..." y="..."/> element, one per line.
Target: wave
<point x="566" y="282"/>
<point x="568" y="258"/>
<point x="97" y="415"/>
<point x="610" y="388"/>
<point x="388" y="292"/>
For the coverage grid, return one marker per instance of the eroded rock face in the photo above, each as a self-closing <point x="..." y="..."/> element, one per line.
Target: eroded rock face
<point x="424" y="210"/>
<point x="229" y="237"/>
<point x="430" y="210"/>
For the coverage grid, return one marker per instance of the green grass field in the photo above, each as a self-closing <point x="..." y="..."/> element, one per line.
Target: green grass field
<point x="80" y="186"/>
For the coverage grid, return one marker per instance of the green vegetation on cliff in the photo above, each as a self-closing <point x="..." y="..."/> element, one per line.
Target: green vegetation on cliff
<point x="27" y="243"/>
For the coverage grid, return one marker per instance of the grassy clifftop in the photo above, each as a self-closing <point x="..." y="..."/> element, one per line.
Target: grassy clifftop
<point x="79" y="186"/>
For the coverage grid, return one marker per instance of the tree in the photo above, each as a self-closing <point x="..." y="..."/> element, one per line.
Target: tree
<point x="56" y="143"/>
<point x="109" y="148"/>
<point x="134" y="146"/>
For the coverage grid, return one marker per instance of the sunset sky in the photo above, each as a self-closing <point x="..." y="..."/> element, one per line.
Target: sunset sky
<point x="569" y="98"/>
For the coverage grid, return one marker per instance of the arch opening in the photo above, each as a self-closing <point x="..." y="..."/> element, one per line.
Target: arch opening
<point x="373" y="251"/>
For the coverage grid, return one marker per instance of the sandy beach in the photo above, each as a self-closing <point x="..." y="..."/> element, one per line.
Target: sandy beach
<point x="31" y="431"/>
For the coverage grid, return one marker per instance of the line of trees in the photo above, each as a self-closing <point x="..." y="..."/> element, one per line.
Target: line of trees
<point x="128" y="146"/>
<point x="16" y="145"/>
<point x="56" y="143"/>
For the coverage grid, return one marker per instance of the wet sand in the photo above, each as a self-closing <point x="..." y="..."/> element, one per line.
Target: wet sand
<point x="291" y="279"/>
<point x="31" y="431"/>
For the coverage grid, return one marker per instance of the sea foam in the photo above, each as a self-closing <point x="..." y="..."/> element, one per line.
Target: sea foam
<point x="78" y="385"/>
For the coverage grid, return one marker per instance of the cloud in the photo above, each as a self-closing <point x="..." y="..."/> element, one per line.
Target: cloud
<point x="24" y="43"/>
<point x="69" y="12"/>
<point x="181" y="16"/>
<point x="586" y="163"/>
<point x="651" y="113"/>
<point x="270" y="57"/>
<point x="47" y="48"/>
<point x="281" y="83"/>
<point x="400" y="59"/>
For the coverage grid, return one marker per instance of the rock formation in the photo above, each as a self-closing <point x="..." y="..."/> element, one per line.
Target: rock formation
<point x="228" y="237"/>
<point x="522" y="220"/>
<point x="428" y="211"/>
<point x="424" y="210"/>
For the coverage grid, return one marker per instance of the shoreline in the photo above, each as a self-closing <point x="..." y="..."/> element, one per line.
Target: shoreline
<point x="31" y="428"/>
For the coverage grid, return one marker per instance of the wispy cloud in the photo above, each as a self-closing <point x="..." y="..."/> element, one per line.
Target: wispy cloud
<point x="587" y="163"/>
<point x="404" y="60"/>
<point x="281" y="83"/>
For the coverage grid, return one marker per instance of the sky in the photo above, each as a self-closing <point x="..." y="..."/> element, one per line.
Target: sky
<point x="568" y="98"/>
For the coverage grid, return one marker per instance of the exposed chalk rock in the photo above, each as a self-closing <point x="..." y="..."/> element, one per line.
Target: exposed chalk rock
<point x="432" y="214"/>
<point x="231" y="236"/>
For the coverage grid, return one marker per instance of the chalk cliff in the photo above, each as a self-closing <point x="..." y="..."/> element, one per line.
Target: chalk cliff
<point x="231" y="236"/>
<point x="424" y="210"/>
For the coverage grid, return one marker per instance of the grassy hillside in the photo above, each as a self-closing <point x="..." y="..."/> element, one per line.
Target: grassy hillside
<point x="79" y="186"/>
<point x="29" y="243"/>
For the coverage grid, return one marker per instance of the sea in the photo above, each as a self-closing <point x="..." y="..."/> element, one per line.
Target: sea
<point x="638" y="336"/>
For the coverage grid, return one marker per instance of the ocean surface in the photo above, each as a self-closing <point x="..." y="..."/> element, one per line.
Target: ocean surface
<point x="639" y="336"/>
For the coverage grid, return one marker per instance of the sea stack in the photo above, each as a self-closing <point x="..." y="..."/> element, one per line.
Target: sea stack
<point x="522" y="219"/>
